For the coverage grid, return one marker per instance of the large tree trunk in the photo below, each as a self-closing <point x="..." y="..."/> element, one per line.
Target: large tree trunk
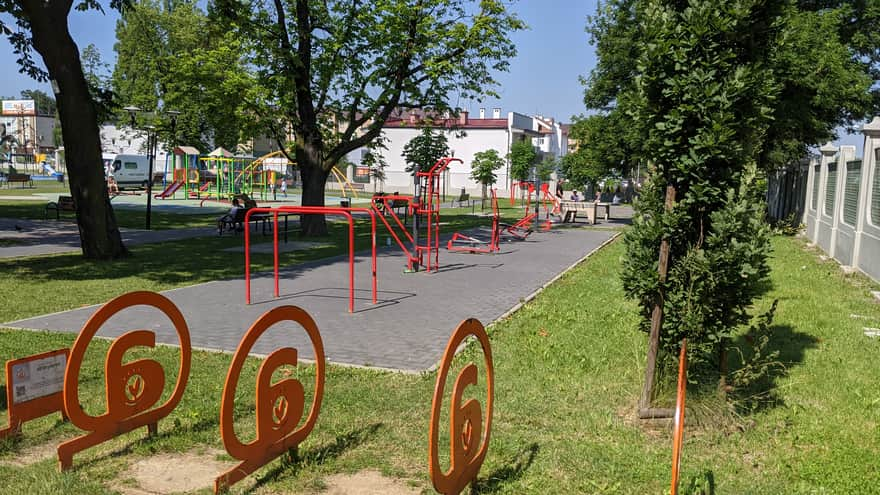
<point x="314" y="179"/>
<point x="98" y="231"/>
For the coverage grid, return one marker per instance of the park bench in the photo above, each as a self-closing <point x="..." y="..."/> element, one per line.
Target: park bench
<point x="570" y="210"/>
<point x="463" y="199"/>
<point x="20" y="179"/>
<point x="64" y="203"/>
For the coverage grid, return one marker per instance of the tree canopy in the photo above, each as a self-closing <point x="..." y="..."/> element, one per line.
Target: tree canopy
<point x="171" y="54"/>
<point x="423" y="151"/>
<point x="522" y="159"/>
<point x="333" y="72"/>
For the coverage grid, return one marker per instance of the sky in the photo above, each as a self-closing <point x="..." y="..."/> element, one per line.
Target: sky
<point x="543" y="78"/>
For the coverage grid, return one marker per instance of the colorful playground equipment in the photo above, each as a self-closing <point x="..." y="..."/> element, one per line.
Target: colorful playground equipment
<point x="467" y="244"/>
<point x="343" y="181"/>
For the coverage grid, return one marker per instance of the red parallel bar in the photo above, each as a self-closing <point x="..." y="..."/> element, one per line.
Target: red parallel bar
<point x="315" y="210"/>
<point x="275" y="248"/>
<point x="333" y="211"/>
<point x="341" y="211"/>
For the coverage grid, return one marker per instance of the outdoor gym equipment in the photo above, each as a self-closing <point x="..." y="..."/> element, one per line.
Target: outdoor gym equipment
<point x="427" y="186"/>
<point x="132" y="388"/>
<point x="678" y="432"/>
<point x="468" y="244"/>
<point x="521" y="185"/>
<point x="346" y="212"/>
<point x="468" y="438"/>
<point x="279" y="405"/>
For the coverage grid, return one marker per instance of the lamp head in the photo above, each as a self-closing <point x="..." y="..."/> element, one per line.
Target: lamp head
<point x="132" y="112"/>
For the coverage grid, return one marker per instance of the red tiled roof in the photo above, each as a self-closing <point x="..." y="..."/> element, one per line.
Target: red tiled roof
<point x="451" y="123"/>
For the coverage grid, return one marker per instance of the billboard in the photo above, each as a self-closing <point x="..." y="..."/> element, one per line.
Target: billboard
<point x="19" y="107"/>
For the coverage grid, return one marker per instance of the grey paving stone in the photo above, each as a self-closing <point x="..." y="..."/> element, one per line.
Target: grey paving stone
<point x="406" y="330"/>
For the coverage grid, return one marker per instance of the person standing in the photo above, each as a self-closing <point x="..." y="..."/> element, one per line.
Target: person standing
<point x="284" y="187"/>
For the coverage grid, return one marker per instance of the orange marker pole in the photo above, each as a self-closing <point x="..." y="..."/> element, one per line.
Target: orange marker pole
<point x="678" y="432"/>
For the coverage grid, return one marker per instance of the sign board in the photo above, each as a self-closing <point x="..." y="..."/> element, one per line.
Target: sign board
<point x="19" y="107"/>
<point x="34" y="388"/>
<point x="37" y="377"/>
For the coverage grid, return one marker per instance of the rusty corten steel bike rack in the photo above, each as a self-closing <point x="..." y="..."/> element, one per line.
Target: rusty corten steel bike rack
<point x="346" y="212"/>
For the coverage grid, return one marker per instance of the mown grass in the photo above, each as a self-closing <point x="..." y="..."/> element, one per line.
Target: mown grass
<point x="568" y="371"/>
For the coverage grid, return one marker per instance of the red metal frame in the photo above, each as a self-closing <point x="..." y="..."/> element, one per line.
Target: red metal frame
<point x="522" y="185"/>
<point x="430" y="207"/>
<point x="490" y="247"/>
<point x="346" y="212"/>
<point x="432" y="210"/>
<point x="411" y="258"/>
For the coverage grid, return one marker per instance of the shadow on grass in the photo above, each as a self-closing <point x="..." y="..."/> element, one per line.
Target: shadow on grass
<point x="760" y="393"/>
<point x="704" y="484"/>
<point x="293" y="462"/>
<point x="511" y="471"/>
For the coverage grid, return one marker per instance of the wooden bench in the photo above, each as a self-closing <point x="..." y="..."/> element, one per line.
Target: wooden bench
<point x="19" y="178"/>
<point x="570" y="209"/>
<point x="463" y="199"/>
<point x="64" y="203"/>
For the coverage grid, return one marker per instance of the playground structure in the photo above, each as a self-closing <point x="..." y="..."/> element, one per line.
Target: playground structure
<point x="133" y="390"/>
<point x="343" y="181"/>
<point x="345" y="212"/>
<point x="468" y="244"/>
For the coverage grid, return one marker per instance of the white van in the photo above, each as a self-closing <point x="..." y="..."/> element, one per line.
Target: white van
<point x="128" y="170"/>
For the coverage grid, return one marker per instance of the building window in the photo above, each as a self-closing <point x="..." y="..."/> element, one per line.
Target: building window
<point x="851" y="192"/>
<point x="830" y="189"/>
<point x="816" y="171"/>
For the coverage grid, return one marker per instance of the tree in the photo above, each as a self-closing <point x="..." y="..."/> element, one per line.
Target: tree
<point x="422" y="151"/>
<point x="706" y="104"/>
<point x="522" y="158"/>
<point x="45" y="104"/>
<point x="375" y="161"/>
<point x="97" y="74"/>
<point x="173" y="54"/>
<point x="483" y="169"/>
<point x="336" y="71"/>
<point x="544" y="170"/>
<point x="608" y="144"/>
<point x="43" y="27"/>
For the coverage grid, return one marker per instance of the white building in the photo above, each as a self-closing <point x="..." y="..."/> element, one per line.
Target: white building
<point x="466" y="136"/>
<point x="127" y="141"/>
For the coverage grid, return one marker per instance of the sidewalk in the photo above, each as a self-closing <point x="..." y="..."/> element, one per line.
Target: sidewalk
<point x="407" y="330"/>
<point x="40" y="237"/>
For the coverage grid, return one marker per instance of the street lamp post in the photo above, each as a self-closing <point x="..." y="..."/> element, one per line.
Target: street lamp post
<point x="152" y="144"/>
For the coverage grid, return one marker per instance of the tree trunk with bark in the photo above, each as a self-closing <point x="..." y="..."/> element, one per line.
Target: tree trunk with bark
<point x="99" y="233"/>
<point x="314" y="179"/>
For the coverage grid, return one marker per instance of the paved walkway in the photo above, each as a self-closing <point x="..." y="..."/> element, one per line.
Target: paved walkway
<point x="40" y="237"/>
<point x="407" y="330"/>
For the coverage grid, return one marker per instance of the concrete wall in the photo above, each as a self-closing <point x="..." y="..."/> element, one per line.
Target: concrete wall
<point x="852" y="239"/>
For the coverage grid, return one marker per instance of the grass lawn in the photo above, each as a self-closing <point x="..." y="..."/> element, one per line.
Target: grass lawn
<point x="569" y="367"/>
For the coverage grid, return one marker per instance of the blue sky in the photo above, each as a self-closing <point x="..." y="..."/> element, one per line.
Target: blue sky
<point x="543" y="77"/>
